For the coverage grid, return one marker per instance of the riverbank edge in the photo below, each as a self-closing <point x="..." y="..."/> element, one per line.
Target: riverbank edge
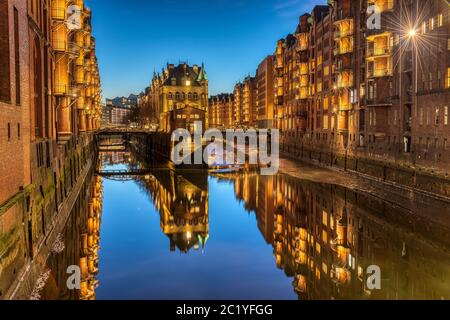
<point x="397" y="176"/>
<point x="25" y="283"/>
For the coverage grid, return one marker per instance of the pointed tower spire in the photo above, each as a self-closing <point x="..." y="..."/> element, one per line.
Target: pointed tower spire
<point x="202" y="74"/>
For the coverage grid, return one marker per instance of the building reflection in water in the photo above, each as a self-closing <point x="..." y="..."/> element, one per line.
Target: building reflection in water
<point x="181" y="198"/>
<point x="325" y="237"/>
<point x="77" y="246"/>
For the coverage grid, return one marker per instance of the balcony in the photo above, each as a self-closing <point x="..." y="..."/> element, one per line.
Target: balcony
<point x="379" y="73"/>
<point x="59" y="45"/>
<point x="80" y="103"/>
<point x="304" y="69"/>
<point x="341" y="50"/>
<point x="383" y="5"/>
<point x="79" y="77"/>
<point x="342" y="34"/>
<point x="379" y="52"/>
<point x="343" y="84"/>
<point x="60" y="89"/>
<point x="74" y="91"/>
<point x="343" y="104"/>
<point x="59" y="14"/>
<point x="302" y="42"/>
<point x="304" y="81"/>
<point x="344" y="79"/>
<point x="79" y="62"/>
<point x="73" y="49"/>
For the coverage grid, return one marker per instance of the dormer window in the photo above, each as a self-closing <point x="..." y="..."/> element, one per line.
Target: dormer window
<point x="188" y="83"/>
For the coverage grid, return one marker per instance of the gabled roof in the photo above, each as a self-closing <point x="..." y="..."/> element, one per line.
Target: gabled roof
<point x="177" y="76"/>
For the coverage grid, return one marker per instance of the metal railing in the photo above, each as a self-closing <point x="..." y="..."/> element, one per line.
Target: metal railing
<point x="60" y="89"/>
<point x="379" y="73"/>
<point x="375" y="52"/>
<point x="59" y="13"/>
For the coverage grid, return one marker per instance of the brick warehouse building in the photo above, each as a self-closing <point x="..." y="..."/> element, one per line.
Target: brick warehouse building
<point x="178" y="97"/>
<point x="264" y="92"/>
<point x="220" y="112"/>
<point x="368" y="98"/>
<point x="341" y="88"/>
<point x="50" y="105"/>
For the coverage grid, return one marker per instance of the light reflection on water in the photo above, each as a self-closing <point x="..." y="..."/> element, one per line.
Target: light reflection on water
<point x="186" y="235"/>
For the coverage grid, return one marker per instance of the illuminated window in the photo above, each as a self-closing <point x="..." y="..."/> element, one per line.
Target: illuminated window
<point x="325" y="218"/>
<point x="324" y="236"/>
<point x="440" y="19"/>
<point x="188" y="83"/>
<point x="318" y="273"/>
<point x="325" y="122"/>
<point x="448" y="78"/>
<point x="324" y="268"/>
<point x="446" y="115"/>
<point x="432" y="24"/>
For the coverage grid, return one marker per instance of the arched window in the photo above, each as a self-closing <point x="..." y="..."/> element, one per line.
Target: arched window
<point x="170" y="96"/>
<point x="177" y="96"/>
<point x="190" y="96"/>
<point x="195" y="96"/>
<point x="183" y="96"/>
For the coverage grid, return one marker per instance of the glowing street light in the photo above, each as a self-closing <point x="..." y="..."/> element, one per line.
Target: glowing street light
<point x="412" y="33"/>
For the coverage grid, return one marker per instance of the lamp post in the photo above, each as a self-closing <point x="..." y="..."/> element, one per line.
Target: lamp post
<point x="412" y="36"/>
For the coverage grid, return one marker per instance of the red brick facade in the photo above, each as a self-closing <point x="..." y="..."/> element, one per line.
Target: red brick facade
<point x="344" y="89"/>
<point x="14" y="119"/>
<point x="38" y="168"/>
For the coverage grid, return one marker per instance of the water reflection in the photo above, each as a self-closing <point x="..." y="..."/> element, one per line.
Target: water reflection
<point x="325" y="237"/>
<point x="181" y="199"/>
<point x="77" y="246"/>
<point x="318" y="240"/>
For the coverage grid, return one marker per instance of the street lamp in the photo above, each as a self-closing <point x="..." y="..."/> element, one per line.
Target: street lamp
<point x="412" y="36"/>
<point x="412" y="33"/>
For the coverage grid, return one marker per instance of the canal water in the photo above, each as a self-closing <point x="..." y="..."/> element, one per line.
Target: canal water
<point x="187" y="234"/>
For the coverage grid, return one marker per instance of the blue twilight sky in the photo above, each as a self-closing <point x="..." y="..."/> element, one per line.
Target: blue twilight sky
<point x="231" y="37"/>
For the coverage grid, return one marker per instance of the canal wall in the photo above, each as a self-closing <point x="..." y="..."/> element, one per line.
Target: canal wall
<point x="30" y="222"/>
<point x="395" y="173"/>
<point x="157" y="144"/>
<point x="155" y="148"/>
